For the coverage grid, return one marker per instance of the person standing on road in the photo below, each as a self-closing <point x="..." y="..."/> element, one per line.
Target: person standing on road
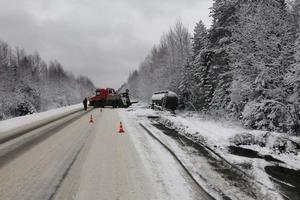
<point x="85" y="103"/>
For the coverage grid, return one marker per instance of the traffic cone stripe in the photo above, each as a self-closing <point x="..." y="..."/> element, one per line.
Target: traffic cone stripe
<point x="91" y="119"/>
<point x="121" y="130"/>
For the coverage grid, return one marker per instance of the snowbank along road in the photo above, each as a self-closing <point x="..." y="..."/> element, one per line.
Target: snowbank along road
<point x="74" y="159"/>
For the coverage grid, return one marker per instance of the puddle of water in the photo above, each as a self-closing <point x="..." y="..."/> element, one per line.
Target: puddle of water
<point x="166" y="130"/>
<point x="152" y="116"/>
<point x="239" y="151"/>
<point x="270" y="158"/>
<point x="285" y="175"/>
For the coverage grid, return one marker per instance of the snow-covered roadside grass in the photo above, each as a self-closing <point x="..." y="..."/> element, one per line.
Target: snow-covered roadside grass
<point x="24" y="123"/>
<point x="218" y="136"/>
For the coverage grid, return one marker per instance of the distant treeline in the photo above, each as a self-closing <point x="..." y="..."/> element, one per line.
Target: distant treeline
<point x="28" y="84"/>
<point x="245" y="66"/>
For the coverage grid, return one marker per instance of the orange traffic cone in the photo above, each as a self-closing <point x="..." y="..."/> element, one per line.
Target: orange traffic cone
<point x="121" y="130"/>
<point x="91" y="119"/>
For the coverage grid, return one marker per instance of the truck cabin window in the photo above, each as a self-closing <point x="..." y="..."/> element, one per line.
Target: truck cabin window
<point x="97" y="93"/>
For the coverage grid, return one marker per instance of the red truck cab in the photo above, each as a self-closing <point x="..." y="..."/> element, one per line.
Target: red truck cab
<point x="103" y="93"/>
<point x="109" y="97"/>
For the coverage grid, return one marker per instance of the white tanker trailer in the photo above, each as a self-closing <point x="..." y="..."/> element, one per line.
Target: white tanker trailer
<point x="165" y="99"/>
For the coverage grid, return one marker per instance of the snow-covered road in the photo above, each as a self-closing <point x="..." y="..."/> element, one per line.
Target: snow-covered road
<point x="93" y="161"/>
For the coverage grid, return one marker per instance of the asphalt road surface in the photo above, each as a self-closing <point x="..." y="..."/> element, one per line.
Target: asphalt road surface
<point x="86" y="161"/>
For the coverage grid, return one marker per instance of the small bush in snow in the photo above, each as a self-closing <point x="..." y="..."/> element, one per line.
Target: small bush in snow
<point x="265" y="116"/>
<point x="273" y="141"/>
<point x="24" y="108"/>
<point x="243" y="139"/>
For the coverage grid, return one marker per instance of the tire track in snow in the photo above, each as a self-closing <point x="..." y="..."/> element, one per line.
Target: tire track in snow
<point x="67" y="170"/>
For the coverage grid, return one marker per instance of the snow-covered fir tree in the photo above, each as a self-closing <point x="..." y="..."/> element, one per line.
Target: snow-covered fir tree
<point x="224" y="21"/>
<point x="259" y="59"/>
<point x="192" y="75"/>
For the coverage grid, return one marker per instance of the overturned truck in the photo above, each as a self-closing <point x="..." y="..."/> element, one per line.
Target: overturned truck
<point x="109" y="97"/>
<point x="164" y="100"/>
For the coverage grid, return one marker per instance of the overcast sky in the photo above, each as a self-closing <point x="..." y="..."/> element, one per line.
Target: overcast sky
<point x="103" y="39"/>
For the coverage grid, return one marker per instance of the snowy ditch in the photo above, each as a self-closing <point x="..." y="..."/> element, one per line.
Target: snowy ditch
<point x="264" y="156"/>
<point x="214" y="174"/>
<point x="229" y="161"/>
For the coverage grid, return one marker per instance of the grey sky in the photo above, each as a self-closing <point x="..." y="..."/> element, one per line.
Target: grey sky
<point x="103" y="39"/>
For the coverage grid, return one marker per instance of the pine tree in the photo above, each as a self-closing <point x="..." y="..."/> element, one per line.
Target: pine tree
<point x="200" y="39"/>
<point x="224" y="20"/>
<point x="292" y="77"/>
<point x="259" y="56"/>
<point x="191" y="73"/>
<point x="204" y="77"/>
